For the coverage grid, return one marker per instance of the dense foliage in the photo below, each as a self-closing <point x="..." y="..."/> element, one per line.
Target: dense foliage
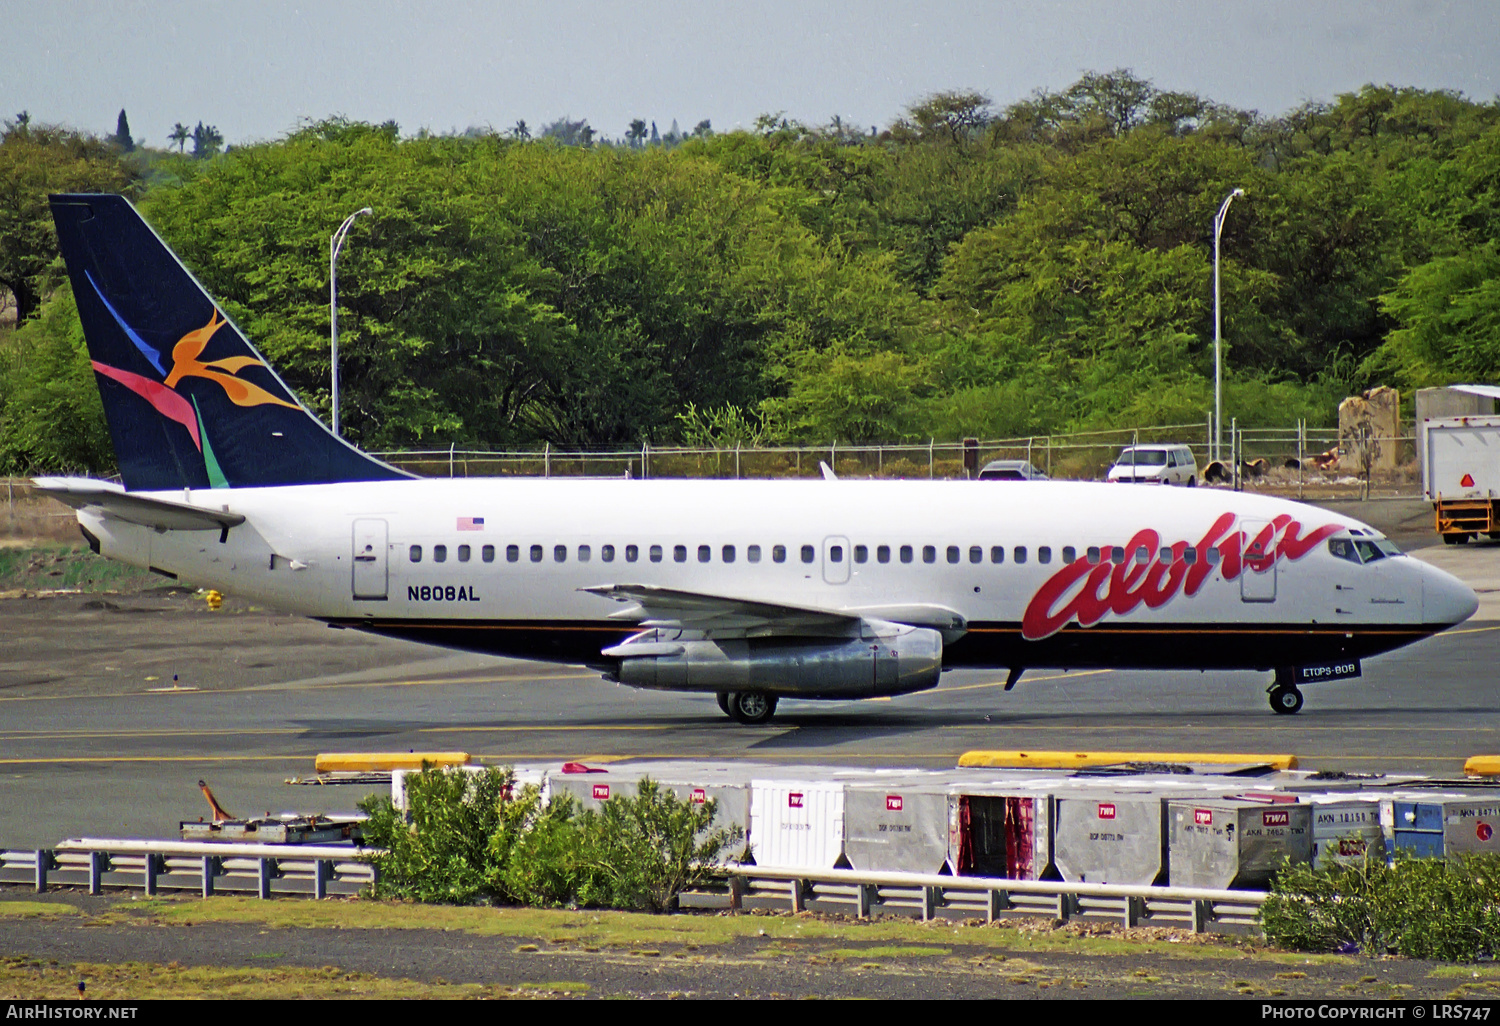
<point x="1441" y="908"/>
<point x="476" y="837"/>
<point x="1042" y="268"/>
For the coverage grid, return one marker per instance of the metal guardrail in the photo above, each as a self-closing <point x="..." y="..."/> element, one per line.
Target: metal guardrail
<point x="206" y="867"/>
<point x="1198" y="909"/>
<point x="267" y="869"/>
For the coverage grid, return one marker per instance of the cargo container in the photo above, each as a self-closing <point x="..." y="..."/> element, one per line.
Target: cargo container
<point x="1110" y="837"/>
<point x="731" y="796"/>
<point x="897" y="826"/>
<point x="1227" y="842"/>
<point x="797" y="824"/>
<point x="1345" y="827"/>
<point x="1443" y="826"/>
<point x="1003" y="833"/>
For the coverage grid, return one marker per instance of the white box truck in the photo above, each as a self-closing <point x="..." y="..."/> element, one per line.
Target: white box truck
<point x="1461" y="475"/>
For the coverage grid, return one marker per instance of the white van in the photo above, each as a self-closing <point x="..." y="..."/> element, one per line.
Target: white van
<point x="1155" y="464"/>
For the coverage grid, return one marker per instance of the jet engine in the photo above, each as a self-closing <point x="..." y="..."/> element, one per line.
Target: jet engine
<point x="884" y="659"/>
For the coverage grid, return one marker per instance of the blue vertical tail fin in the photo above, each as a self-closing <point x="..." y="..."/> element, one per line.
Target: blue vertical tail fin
<point x="189" y="401"/>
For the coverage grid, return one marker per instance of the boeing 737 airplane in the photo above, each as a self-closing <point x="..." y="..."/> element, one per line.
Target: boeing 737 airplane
<point x="753" y="590"/>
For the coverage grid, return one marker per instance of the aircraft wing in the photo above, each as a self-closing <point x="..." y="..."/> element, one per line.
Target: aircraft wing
<point x="111" y="500"/>
<point x="671" y="608"/>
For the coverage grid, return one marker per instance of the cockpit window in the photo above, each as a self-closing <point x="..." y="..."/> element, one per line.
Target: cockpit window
<point x="1362" y="549"/>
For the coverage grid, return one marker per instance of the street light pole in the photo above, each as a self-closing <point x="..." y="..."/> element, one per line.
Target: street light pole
<point x="1218" y="341"/>
<point x="335" y="244"/>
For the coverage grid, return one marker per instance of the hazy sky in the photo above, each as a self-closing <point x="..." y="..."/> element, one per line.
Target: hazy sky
<point x="255" y="68"/>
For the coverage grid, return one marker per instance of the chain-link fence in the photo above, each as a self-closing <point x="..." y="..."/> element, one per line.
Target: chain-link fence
<point x="1307" y="461"/>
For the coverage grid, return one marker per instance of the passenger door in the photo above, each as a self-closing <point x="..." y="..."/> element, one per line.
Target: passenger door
<point x="1255" y="585"/>
<point x="370" y="578"/>
<point x="836" y="559"/>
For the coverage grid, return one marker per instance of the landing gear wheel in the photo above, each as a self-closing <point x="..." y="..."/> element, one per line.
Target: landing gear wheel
<point x="723" y="697"/>
<point x="751" y="706"/>
<point x="1192" y="482"/>
<point x="1286" y="700"/>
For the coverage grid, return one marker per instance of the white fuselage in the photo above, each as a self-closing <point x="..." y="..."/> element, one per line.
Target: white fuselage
<point x="413" y="558"/>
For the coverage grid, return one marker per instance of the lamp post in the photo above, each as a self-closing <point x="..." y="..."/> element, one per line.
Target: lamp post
<point x="1218" y="342"/>
<point x="335" y="244"/>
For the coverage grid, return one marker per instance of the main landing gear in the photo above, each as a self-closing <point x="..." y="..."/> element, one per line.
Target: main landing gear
<point x="747" y="706"/>
<point x="1285" y="698"/>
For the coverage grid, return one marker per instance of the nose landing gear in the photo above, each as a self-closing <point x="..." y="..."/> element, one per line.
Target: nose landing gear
<point x="1286" y="699"/>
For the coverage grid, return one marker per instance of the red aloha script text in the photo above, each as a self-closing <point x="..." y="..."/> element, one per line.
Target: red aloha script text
<point x="1086" y="592"/>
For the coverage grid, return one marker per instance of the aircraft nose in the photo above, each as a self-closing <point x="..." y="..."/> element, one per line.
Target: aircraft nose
<point x="1446" y="599"/>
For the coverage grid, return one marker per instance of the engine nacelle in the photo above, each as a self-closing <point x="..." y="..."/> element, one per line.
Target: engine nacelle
<point x="886" y="659"/>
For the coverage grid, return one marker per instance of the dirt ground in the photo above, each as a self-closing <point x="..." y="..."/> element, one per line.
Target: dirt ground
<point x="129" y="947"/>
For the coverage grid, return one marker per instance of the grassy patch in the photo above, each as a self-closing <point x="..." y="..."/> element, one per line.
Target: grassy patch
<point x="36" y="909"/>
<point x="628" y="930"/>
<point x="50" y="567"/>
<point x="1464" y="972"/>
<point x="36" y="980"/>
<point x="890" y="951"/>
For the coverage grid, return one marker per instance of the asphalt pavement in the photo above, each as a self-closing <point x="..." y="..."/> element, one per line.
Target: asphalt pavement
<point x="98" y="739"/>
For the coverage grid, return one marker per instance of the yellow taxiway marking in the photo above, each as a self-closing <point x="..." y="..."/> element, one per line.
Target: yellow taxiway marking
<point x="1028" y="680"/>
<point x="294" y="686"/>
<point x="69" y="735"/>
<point x="1280" y="728"/>
<point x="1470" y="630"/>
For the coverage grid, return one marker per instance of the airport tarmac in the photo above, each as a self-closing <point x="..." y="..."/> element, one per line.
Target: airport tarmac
<point x="98" y="739"/>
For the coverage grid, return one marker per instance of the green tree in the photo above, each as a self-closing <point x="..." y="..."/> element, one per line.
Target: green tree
<point x="36" y="160"/>
<point x="180" y="135"/>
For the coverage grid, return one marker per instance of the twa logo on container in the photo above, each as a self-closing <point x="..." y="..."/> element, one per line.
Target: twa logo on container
<point x="893" y="803"/>
<point x="699" y="796"/>
<point x="794" y="800"/>
<point x="1106" y="810"/>
<point x="1276" y="819"/>
<point x="601" y="792"/>
<point x="1203" y="817"/>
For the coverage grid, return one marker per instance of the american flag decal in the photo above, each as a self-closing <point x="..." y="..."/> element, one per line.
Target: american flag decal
<point x="471" y="523"/>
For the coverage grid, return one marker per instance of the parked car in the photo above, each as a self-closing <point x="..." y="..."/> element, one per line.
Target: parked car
<point x="1155" y="464"/>
<point x="1010" y="470"/>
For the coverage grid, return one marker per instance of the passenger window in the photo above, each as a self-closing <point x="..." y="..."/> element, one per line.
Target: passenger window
<point x="415" y="555"/>
<point x="929" y="554"/>
<point x="632" y="553"/>
<point x="752" y="553"/>
<point x="1020" y="554"/>
<point x="976" y="554"/>
<point x="953" y="553"/>
<point x="656" y="553"/>
<point x="1165" y="556"/>
<point x="679" y="553"/>
<point x="1070" y="554"/>
<point x="906" y="553"/>
<point x="778" y="553"/>
<point x="861" y="554"/>
<point x="560" y="553"/>
<point x="1043" y="554"/>
<point x="1094" y="555"/>
<point x="1190" y="555"/>
<point x="487" y="553"/>
<point x="583" y="553"/>
<point x="1143" y="555"/>
<point x="1117" y="555"/>
<point x="883" y="554"/>
<point x="536" y="553"/>
<point x="463" y="553"/>
<point x="607" y="553"/>
<point x="809" y="553"/>
<point x="727" y="553"/>
<point x="512" y="553"/>
<point x="440" y="553"/>
<point x="997" y="553"/>
<point x="1213" y="556"/>
<point x="835" y="553"/>
<point x="705" y="553"/>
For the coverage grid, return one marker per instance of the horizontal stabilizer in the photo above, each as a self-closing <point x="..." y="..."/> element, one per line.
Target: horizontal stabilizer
<point x="111" y="500"/>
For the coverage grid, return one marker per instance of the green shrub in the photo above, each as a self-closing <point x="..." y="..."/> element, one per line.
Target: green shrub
<point x="641" y="852"/>
<point x="1446" y="908"/>
<point x="475" y="837"/>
